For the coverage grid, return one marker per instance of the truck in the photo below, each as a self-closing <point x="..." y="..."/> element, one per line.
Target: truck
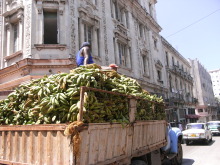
<point x="139" y="142"/>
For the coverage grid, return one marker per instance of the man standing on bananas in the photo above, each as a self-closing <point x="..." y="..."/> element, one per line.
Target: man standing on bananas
<point x="84" y="56"/>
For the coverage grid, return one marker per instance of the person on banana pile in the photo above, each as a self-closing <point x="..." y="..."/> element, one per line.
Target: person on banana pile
<point x="113" y="67"/>
<point x="84" y="56"/>
<point x="110" y="67"/>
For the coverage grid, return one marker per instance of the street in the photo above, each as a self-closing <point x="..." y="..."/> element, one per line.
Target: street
<point x="202" y="154"/>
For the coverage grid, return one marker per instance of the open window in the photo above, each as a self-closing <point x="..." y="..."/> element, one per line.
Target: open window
<point x="50" y="27"/>
<point x="124" y="57"/>
<point x="159" y="67"/>
<point x="145" y="62"/>
<point x="15" y="36"/>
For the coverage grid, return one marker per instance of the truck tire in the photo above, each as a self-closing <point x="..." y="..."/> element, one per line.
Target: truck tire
<point x="138" y="162"/>
<point x="179" y="157"/>
<point x="187" y="142"/>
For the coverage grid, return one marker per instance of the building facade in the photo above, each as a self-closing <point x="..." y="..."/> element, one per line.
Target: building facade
<point x="41" y="37"/>
<point x="215" y="76"/>
<point x="203" y="91"/>
<point x="180" y="99"/>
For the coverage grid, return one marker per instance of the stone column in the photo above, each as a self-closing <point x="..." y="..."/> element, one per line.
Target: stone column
<point x="117" y="60"/>
<point x="81" y="30"/>
<point x="61" y="24"/>
<point x="40" y="19"/>
<point x="123" y="17"/>
<point x="113" y="10"/>
<point x="95" y="42"/>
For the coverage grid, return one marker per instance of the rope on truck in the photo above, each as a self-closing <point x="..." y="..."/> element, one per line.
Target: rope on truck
<point x="73" y="131"/>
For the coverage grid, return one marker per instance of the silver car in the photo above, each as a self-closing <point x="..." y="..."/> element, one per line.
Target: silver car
<point x="197" y="132"/>
<point x="214" y="126"/>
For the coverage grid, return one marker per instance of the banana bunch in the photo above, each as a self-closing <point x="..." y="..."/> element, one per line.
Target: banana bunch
<point x="149" y="110"/>
<point x="55" y="99"/>
<point x="103" y="107"/>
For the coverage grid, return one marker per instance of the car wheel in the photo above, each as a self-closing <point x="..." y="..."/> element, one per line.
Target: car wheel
<point x="187" y="142"/>
<point x="179" y="157"/>
<point x="206" y="141"/>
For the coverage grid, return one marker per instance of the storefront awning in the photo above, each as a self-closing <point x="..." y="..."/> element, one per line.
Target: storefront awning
<point x="192" y="116"/>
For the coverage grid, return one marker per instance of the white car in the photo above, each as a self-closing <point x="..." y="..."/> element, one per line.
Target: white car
<point x="214" y="126"/>
<point x="197" y="132"/>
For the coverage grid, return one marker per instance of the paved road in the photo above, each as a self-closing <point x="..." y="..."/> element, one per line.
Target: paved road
<point x="201" y="154"/>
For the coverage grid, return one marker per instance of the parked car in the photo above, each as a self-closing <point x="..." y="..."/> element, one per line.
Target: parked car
<point x="214" y="126"/>
<point x="197" y="132"/>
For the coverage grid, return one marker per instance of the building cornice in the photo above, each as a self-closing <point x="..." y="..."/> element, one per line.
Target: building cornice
<point x="171" y="48"/>
<point x="139" y="12"/>
<point x="23" y="67"/>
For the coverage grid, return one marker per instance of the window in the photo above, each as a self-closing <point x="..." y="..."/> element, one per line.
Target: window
<point x="159" y="75"/>
<point x="15" y="37"/>
<point x="50" y="27"/>
<point x="145" y="62"/>
<point x="176" y="83"/>
<point x="140" y="30"/>
<point x="155" y="43"/>
<point x="127" y="19"/>
<point x="167" y="59"/>
<point x="119" y="13"/>
<point x="14" y="34"/>
<point x="200" y="110"/>
<point x="181" y="86"/>
<point x="170" y="82"/>
<point x="124" y="55"/>
<point x="173" y="61"/>
<point x="150" y="9"/>
<point x="89" y="31"/>
<point x="95" y="2"/>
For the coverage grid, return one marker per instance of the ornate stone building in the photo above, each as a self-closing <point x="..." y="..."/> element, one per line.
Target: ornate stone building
<point x="206" y="107"/>
<point x="181" y="101"/>
<point x="41" y="37"/>
<point x="215" y="76"/>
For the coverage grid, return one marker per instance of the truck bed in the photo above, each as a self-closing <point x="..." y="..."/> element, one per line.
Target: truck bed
<point x="101" y="143"/>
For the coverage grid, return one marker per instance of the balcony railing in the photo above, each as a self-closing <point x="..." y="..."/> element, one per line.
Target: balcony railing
<point x="181" y="73"/>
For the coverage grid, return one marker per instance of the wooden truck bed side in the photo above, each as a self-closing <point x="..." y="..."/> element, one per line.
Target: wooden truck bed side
<point x="34" y="144"/>
<point x="100" y="143"/>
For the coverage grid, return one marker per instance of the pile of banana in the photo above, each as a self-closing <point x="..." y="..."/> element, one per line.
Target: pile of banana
<point x="55" y="99"/>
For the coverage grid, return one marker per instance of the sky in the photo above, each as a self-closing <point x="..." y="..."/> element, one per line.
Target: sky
<point x="192" y="27"/>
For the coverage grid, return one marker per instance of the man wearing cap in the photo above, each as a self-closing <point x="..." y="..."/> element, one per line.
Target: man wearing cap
<point x="113" y="67"/>
<point x="84" y="57"/>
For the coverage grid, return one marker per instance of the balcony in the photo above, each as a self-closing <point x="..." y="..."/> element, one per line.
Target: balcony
<point x="181" y="73"/>
<point x="176" y="98"/>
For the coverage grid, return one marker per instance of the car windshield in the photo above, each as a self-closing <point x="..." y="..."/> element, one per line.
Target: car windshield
<point x="213" y="125"/>
<point x="195" y="126"/>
